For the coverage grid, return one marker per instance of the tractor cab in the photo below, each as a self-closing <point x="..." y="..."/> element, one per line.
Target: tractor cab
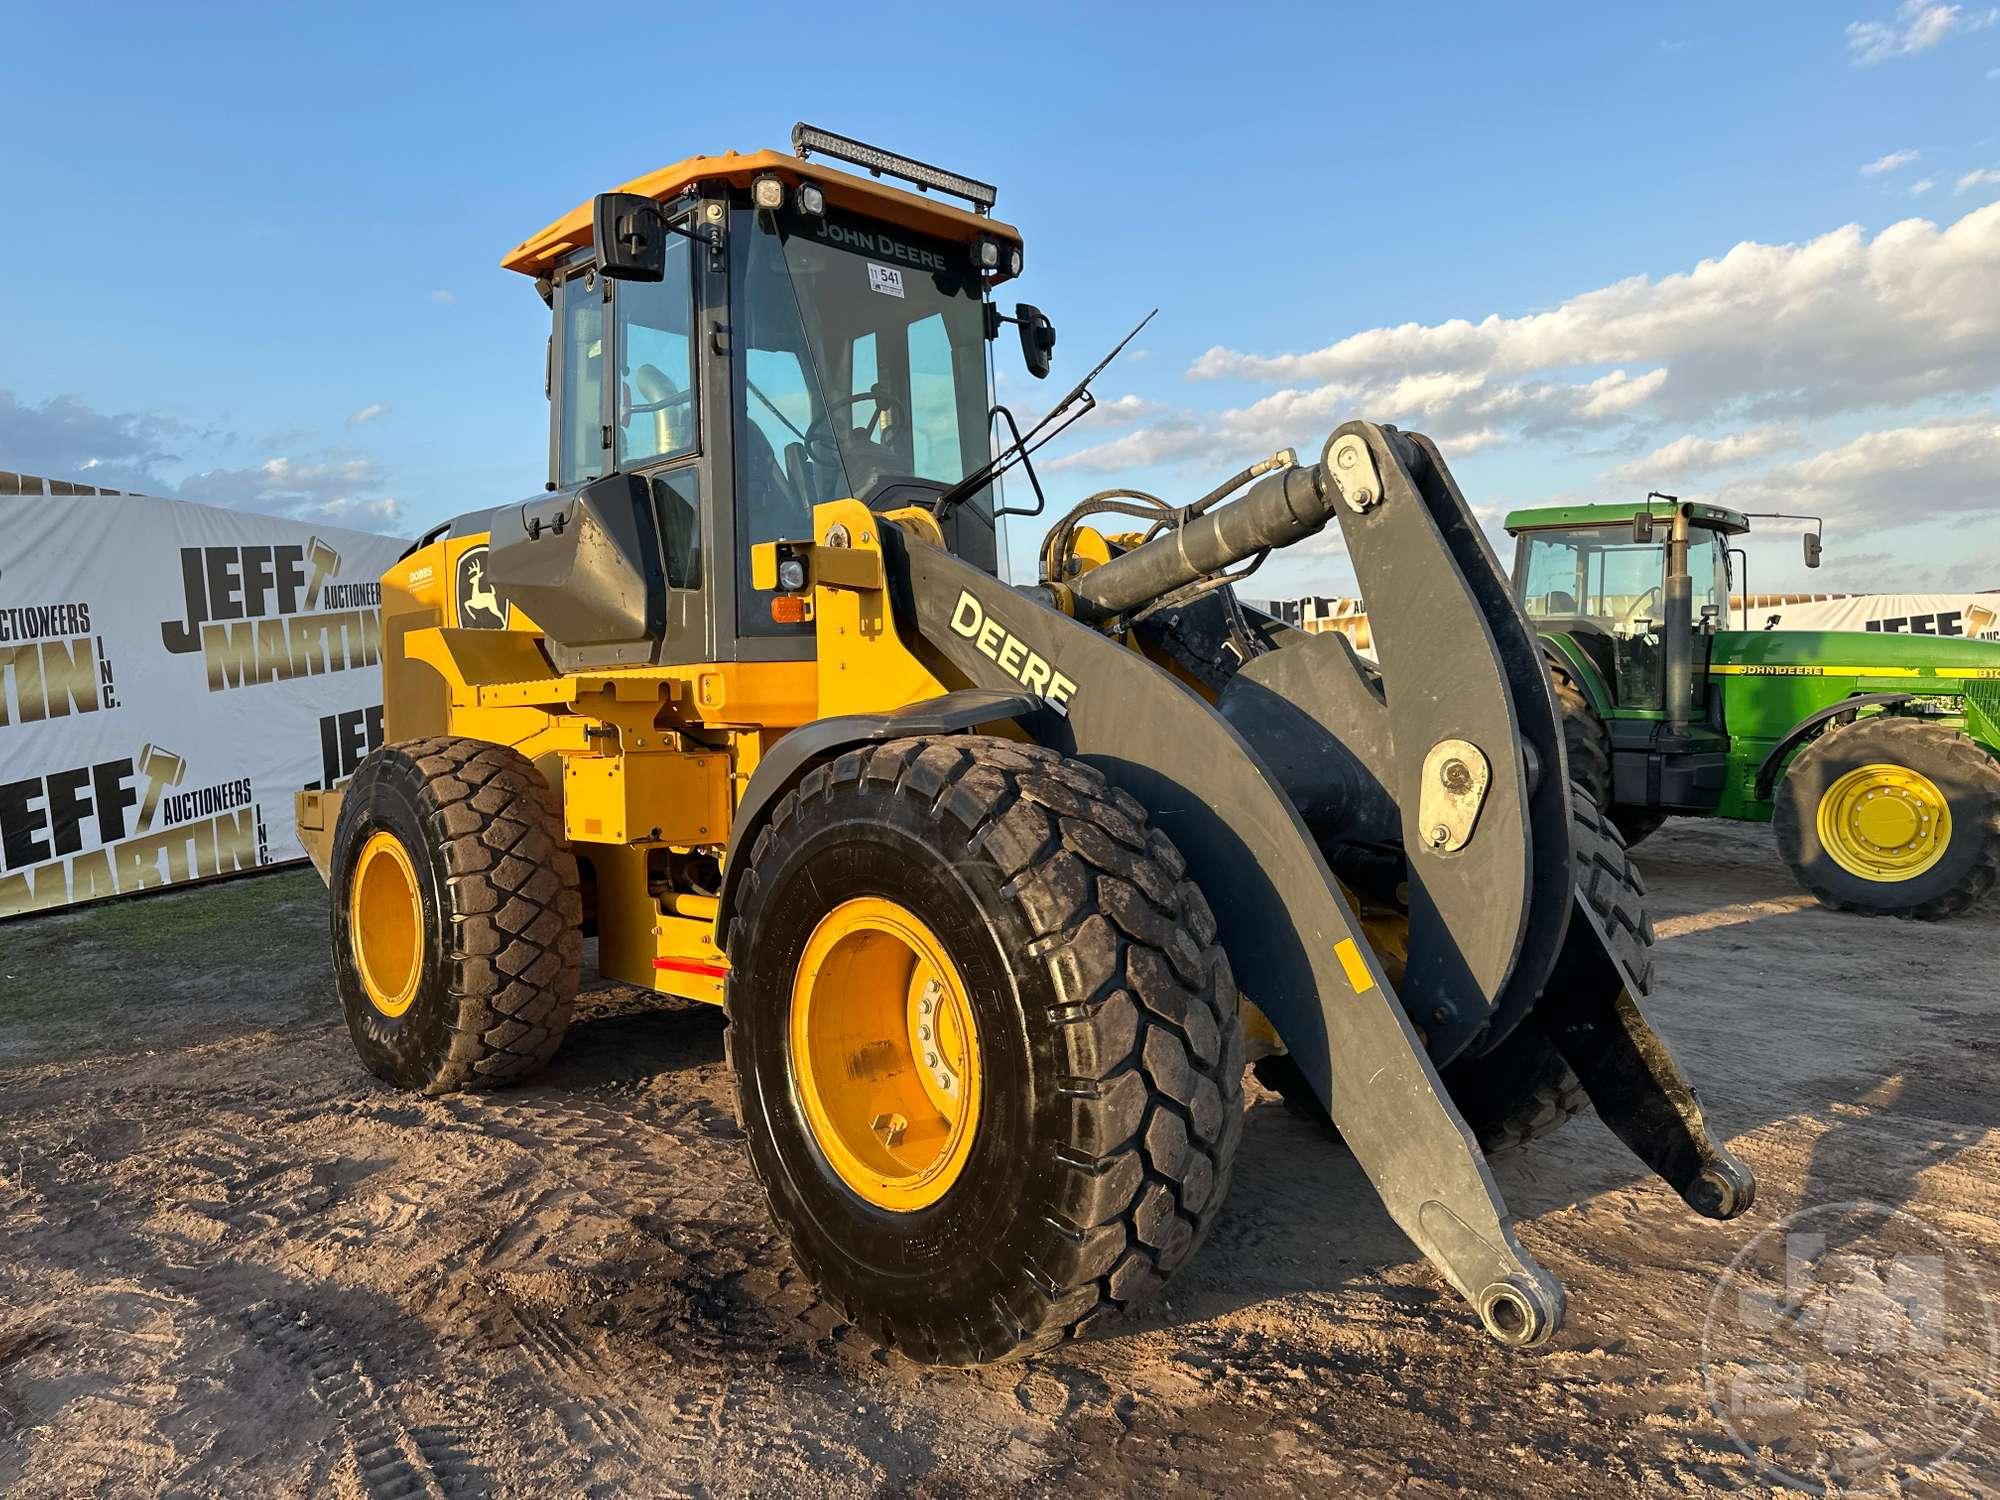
<point x="1612" y="580"/>
<point x="738" y="339"/>
<point x="1627" y="604"/>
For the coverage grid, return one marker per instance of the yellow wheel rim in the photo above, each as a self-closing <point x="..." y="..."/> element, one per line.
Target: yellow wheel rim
<point x="1884" y="823"/>
<point x="885" y="1054"/>
<point x="385" y="923"/>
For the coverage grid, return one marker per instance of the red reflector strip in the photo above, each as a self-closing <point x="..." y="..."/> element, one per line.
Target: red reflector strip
<point x="692" y="966"/>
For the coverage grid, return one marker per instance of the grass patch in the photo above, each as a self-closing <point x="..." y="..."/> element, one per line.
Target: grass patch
<point x="94" y="967"/>
<point x="228" y="908"/>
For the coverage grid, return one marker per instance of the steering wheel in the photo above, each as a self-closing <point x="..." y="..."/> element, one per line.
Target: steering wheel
<point x="1640" y="609"/>
<point x="821" y="445"/>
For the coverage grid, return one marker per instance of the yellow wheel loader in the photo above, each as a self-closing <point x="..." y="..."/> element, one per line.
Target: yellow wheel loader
<point x="978" y="871"/>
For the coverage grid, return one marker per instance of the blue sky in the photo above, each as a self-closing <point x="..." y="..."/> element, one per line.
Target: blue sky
<point x="253" y="250"/>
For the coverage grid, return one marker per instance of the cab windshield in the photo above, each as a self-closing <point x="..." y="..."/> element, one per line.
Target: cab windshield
<point x="860" y="361"/>
<point x="1593" y="573"/>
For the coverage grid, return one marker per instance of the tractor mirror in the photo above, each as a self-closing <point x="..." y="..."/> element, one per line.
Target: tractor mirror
<point x="631" y="237"/>
<point x="1038" y="339"/>
<point x="1812" y="549"/>
<point x="1642" y="526"/>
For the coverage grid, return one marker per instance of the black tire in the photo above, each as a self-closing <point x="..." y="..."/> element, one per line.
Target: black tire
<point x="1587" y="744"/>
<point x="1965" y="773"/>
<point x="1522" y="1089"/>
<point x="500" y="939"/>
<point x="1110" y="1049"/>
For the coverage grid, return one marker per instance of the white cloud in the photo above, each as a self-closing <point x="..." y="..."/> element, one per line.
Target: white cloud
<point x="444" y="297"/>
<point x="1921" y="186"/>
<point x="1694" y="454"/>
<point x="367" y="414"/>
<point x="332" y="490"/>
<point x="140" y="451"/>
<point x="1702" y="370"/>
<point x="1983" y="177"/>
<point x="1835" y="324"/>
<point x="1178" y="438"/>
<point x="64" y="436"/>
<point x="1126" y="409"/>
<point x="1918" y="26"/>
<point x="1900" y="476"/>
<point x="1895" y="161"/>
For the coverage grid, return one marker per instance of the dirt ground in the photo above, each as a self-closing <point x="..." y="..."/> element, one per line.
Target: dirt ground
<point x="232" y="1263"/>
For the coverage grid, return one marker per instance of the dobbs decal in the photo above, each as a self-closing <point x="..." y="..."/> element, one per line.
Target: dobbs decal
<point x="145" y="830"/>
<point x="273" y="614"/>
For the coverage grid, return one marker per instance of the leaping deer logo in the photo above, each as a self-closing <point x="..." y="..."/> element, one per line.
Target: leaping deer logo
<point x="479" y="605"/>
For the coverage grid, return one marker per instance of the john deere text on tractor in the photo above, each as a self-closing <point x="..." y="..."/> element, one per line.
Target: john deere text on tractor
<point x="1875" y="754"/>
<point x="976" y="870"/>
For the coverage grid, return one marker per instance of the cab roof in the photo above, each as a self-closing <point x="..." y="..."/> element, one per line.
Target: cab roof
<point x="1729" y="522"/>
<point x="860" y="195"/>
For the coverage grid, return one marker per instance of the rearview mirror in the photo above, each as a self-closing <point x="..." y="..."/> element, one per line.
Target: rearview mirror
<point x="1812" y="549"/>
<point x="1038" y="339"/>
<point x="1642" y="526"/>
<point x="631" y="237"/>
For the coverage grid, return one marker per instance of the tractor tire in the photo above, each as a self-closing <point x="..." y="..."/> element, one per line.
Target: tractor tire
<point x="456" y="920"/>
<point x="1892" y="816"/>
<point x="1069" y="1143"/>
<point x="1586" y="742"/>
<point x="1522" y="1089"/>
<point x="1587" y="745"/>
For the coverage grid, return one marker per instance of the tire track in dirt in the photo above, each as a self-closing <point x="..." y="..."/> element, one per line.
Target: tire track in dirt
<point x="388" y="1458"/>
<point x="234" y="1264"/>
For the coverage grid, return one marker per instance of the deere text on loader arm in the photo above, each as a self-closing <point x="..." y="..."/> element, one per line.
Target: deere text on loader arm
<point x="978" y="871"/>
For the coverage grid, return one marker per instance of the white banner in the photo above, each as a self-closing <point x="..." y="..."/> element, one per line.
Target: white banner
<point x="1974" y="615"/>
<point x="170" y="674"/>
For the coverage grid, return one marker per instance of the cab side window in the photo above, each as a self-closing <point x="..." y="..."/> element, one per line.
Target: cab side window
<point x="656" y="395"/>
<point x="580" y="312"/>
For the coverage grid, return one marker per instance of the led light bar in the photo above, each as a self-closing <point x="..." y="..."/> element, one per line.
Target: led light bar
<point x="810" y="138"/>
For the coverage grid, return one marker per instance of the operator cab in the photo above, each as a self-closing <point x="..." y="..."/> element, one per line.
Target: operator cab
<point x="738" y="339"/>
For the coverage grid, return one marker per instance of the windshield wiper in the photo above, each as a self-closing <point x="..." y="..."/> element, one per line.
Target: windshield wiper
<point x="1037" y="436"/>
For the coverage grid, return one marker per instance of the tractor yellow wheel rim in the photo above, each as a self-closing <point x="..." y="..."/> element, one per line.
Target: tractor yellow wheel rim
<point x="1884" y="823"/>
<point x="885" y="1054"/>
<point x="385" y="923"/>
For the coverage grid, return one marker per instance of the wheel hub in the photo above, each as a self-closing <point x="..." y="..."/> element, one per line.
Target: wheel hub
<point x="385" y="923"/>
<point x="884" y="1054"/>
<point x="1884" y="823"/>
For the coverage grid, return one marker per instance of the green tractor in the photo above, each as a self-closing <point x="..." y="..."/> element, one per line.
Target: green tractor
<point x="1876" y="755"/>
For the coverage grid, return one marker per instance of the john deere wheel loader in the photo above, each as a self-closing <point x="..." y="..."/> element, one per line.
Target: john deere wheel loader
<point x="1877" y="756"/>
<point x="976" y="870"/>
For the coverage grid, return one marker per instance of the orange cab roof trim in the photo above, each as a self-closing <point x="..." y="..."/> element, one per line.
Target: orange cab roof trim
<point x="863" y="195"/>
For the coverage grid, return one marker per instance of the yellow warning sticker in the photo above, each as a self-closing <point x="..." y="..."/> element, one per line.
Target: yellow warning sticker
<point x="1358" y="977"/>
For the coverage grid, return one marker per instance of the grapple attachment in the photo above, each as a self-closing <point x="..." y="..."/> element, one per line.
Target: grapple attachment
<point x="1300" y="779"/>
